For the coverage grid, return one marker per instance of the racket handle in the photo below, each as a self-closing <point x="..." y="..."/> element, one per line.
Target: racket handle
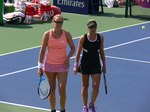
<point x="105" y="83"/>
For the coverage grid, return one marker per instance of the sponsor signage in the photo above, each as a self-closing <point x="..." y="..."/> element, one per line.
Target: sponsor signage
<point x="73" y="6"/>
<point x="143" y="3"/>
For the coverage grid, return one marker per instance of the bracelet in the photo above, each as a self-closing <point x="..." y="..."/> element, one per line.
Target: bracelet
<point x="75" y="64"/>
<point x="104" y="63"/>
<point x="40" y="65"/>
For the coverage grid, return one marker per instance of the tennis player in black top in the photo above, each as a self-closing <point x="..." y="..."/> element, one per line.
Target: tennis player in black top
<point x="93" y="54"/>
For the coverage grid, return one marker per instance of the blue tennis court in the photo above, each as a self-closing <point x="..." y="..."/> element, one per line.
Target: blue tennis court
<point x="128" y="73"/>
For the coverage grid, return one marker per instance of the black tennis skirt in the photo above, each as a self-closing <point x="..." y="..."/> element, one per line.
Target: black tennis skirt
<point x="89" y="69"/>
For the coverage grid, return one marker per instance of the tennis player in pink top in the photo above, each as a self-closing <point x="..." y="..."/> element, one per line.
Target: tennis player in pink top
<point x="56" y="60"/>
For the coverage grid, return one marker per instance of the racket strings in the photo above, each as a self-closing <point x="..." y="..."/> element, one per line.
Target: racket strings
<point x="44" y="89"/>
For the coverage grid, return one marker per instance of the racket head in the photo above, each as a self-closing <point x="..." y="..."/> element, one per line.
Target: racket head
<point x="43" y="87"/>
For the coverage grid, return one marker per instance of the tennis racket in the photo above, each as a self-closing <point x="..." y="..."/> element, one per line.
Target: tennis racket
<point x="43" y="87"/>
<point x="105" y="83"/>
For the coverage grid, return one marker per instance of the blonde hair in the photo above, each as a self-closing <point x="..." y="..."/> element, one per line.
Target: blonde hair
<point x="58" y="15"/>
<point x="91" y="20"/>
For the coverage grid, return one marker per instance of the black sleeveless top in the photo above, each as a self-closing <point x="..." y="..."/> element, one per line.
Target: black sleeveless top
<point x="91" y="51"/>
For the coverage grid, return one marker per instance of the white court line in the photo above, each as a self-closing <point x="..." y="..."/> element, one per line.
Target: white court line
<point x="23" y="70"/>
<point x="19" y="51"/>
<point x="25" y="106"/>
<point x="74" y="56"/>
<point x="18" y="71"/>
<point x="128" y="59"/>
<point x="76" y="38"/>
<point x="126" y="43"/>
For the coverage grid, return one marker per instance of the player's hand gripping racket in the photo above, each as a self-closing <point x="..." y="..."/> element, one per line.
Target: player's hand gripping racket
<point x="43" y="87"/>
<point x="105" y="83"/>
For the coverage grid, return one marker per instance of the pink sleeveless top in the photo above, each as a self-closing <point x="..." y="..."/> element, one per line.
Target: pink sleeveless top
<point x="56" y="53"/>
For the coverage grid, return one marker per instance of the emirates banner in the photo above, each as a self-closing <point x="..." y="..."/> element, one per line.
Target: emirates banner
<point x="73" y="6"/>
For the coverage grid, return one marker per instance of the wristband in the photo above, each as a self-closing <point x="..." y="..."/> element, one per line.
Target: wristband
<point x="75" y="64"/>
<point x="104" y="63"/>
<point x="40" y="65"/>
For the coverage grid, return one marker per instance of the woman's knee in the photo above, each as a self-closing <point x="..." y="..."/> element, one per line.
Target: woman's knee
<point x="62" y="88"/>
<point x="95" y="85"/>
<point x="84" y="88"/>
